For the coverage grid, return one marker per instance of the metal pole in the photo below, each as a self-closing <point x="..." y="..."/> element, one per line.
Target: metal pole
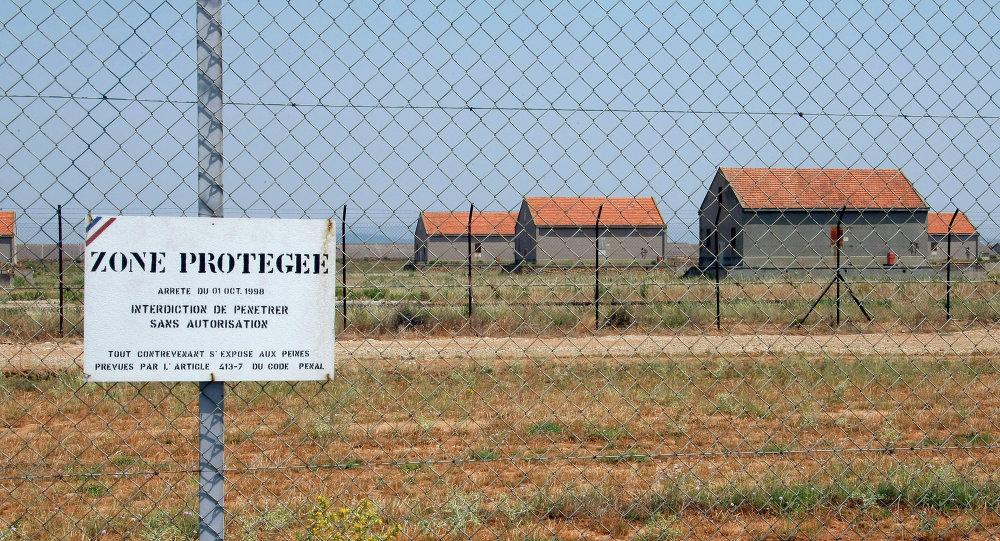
<point x="211" y="489"/>
<point x="947" y="298"/>
<point x="62" y="284"/>
<point x="343" y="270"/>
<point x="211" y="400"/>
<point x="469" y="231"/>
<point x="718" y="255"/>
<point x="836" y="244"/>
<point x="597" y="268"/>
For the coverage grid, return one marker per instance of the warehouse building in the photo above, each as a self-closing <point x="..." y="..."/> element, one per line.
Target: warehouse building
<point x="564" y="230"/>
<point x="8" y="238"/>
<point x="786" y="219"/>
<point x="964" y="237"/>
<point x="444" y="237"/>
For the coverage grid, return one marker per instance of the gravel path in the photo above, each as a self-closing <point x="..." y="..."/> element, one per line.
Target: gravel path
<point x="54" y="356"/>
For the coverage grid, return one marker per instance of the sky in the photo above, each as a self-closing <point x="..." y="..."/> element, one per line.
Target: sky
<point x="391" y="108"/>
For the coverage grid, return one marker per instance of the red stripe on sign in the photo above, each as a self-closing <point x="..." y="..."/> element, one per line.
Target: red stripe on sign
<point x="99" y="231"/>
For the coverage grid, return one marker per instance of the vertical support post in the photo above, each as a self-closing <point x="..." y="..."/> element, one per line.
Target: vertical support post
<point x="343" y="269"/>
<point x="211" y="439"/>
<point x="211" y="400"/>
<point x="209" y="26"/>
<point x="836" y="247"/>
<point x="469" y="238"/>
<point x="62" y="284"/>
<point x="947" y="297"/>
<point x="597" y="268"/>
<point x="718" y="256"/>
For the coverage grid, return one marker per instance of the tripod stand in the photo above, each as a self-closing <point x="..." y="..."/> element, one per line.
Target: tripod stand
<point x="837" y="236"/>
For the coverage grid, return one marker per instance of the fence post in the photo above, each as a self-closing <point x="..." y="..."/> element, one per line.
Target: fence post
<point x="597" y="269"/>
<point x="718" y="256"/>
<point x="469" y="235"/>
<point x="343" y="269"/>
<point x="947" y="295"/>
<point x="62" y="283"/>
<point x="211" y="400"/>
<point x="836" y="248"/>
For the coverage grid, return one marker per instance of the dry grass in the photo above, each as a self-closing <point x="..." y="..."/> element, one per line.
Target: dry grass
<point x="653" y="447"/>
<point x="387" y="299"/>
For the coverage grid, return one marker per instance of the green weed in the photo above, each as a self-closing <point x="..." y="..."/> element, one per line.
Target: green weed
<point x="545" y="427"/>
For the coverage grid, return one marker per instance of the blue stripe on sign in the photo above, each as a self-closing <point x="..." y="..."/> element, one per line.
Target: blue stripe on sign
<point x="93" y="223"/>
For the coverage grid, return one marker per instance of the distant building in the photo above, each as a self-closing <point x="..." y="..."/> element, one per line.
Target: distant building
<point x="785" y="219"/>
<point x="563" y="230"/>
<point x="964" y="237"/>
<point x="8" y="238"/>
<point x="444" y="237"/>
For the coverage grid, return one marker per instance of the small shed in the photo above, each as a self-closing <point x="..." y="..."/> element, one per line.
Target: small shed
<point x="783" y="219"/>
<point x="964" y="237"/>
<point x="8" y="238"/>
<point x="563" y="230"/>
<point x="444" y="237"/>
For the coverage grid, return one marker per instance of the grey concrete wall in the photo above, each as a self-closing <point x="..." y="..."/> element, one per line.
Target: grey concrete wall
<point x="801" y="239"/>
<point x="731" y="224"/>
<point x="493" y="248"/>
<point x="420" y="243"/>
<point x="573" y="245"/>
<point x="525" y="237"/>
<point x="6" y="250"/>
<point x="454" y="248"/>
<point x="963" y="247"/>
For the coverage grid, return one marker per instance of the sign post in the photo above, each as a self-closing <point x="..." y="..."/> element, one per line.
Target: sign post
<point x="211" y="404"/>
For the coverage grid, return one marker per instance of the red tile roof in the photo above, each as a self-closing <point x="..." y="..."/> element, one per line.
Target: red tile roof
<point x="7" y="223"/>
<point x="937" y="224"/>
<point x="582" y="211"/>
<point x="778" y="188"/>
<point x="457" y="223"/>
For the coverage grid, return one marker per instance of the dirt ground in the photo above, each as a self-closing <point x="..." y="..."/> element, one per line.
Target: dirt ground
<point x="584" y="437"/>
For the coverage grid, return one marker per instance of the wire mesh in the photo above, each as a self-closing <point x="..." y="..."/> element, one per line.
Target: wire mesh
<point x="729" y="270"/>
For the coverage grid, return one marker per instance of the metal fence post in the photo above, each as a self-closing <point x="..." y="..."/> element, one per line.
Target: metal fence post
<point x="469" y="232"/>
<point x="211" y="401"/>
<point x="597" y="269"/>
<point x="836" y="248"/>
<point x="343" y="270"/>
<point x="62" y="282"/>
<point x="718" y="256"/>
<point x="947" y="272"/>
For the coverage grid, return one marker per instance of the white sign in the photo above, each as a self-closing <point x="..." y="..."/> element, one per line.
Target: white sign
<point x="209" y="299"/>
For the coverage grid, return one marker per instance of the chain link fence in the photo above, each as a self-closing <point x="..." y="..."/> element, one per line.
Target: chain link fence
<point x="612" y="270"/>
